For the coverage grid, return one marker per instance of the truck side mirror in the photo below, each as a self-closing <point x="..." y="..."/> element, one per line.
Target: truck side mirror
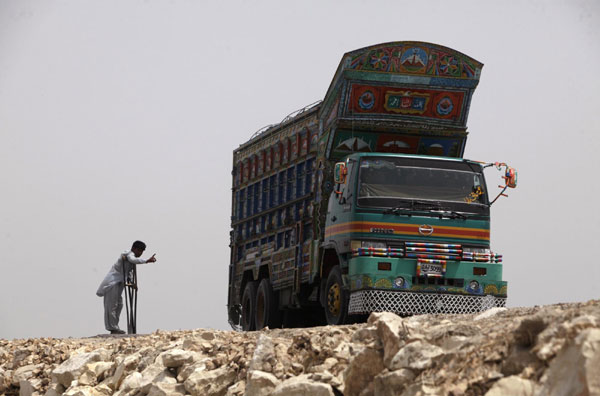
<point x="340" y="172"/>
<point x="511" y="177"/>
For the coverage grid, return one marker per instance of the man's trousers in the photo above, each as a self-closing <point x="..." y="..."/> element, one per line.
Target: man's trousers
<point x="113" y="304"/>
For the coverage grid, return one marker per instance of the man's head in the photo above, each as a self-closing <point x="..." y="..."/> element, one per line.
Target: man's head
<point x="138" y="248"/>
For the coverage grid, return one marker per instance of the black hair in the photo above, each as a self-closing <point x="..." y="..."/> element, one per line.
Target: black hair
<point x="138" y="245"/>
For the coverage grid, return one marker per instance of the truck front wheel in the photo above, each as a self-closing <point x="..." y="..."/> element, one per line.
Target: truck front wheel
<point x="336" y="298"/>
<point x="267" y="308"/>
<point x="248" y="306"/>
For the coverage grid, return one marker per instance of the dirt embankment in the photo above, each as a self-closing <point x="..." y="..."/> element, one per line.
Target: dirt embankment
<point x="551" y="350"/>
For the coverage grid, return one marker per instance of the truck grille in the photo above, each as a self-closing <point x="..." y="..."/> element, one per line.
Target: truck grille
<point x="428" y="252"/>
<point x="409" y="303"/>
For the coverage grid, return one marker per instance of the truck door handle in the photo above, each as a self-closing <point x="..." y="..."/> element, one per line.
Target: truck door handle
<point x="333" y="218"/>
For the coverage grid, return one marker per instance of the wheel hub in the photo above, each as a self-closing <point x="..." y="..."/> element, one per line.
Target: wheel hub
<point x="333" y="299"/>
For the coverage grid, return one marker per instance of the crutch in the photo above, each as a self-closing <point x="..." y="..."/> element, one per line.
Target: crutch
<point x="130" y="295"/>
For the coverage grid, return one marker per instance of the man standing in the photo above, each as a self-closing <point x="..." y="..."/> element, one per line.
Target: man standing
<point x="112" y="286"/>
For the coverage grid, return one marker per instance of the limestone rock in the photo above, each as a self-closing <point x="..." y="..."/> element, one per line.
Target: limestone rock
<point x="576" y="368"/>
<point x="301" y="386"/>
<point x="513" y="386"/>
<point x="82" y="391"/>
<point x="237" y="389"/>
<point x="540" y="350"/>
<point x="100" y="369"/>
<point x="25" y="372"/>
<point x="391" y="331"/>
<point x="187" y="370"/>
<point x="417" y="355"/>
<point x="263" y="357"/>
<point x="131" y="382"/>
<point x="260" y="383"/>
<point x="103" y="390"/>
<point x="209" y="383"/>
<point x="489" y="313"/>
<point x="29" y="386"/>
<point x="361" y="371"/>
<point x="72" y="368"/>
<point x="391" y="383"/>
<point x="155" y="374"/>
<point x="55" y="389"/>
<point x="165" y="389"/>
<point x="175" y="357"/>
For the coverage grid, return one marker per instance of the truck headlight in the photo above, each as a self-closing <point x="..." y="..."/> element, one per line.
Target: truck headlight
<point x="476" y="250"/>
<point x="399" y="282"/>
<point x="367" y="244"/>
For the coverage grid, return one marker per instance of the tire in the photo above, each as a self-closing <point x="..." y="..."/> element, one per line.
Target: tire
<point x="248" y="306"/>
<point x="267" y="307"/>
<point x="336" y="298"/>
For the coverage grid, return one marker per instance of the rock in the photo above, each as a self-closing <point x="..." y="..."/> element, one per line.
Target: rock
<point x="187" y="370"/>
<point x="175" y="357"/>
<point x="518" y="359"/>
<point x="575" y="370"/>
<point x="361" y="371"/>
<point x="391" y="331"/>
<point x="207" y="335"/>
<point x="528" y="330"/>
<point x="103" y="390"/>
<point x="540" y="350"/>
<point x="391" y="383"/>
<point x="29" y="386"/>
<point x="488" y="313"/>
<point x="82" y="391"/>
<point x="417" y="355"/>
<point x="131" y="382"/>
<point x="55" y="390"/>
<point x="209" y="383"/>
<point x="124" y="366"/>
<point x="237" y="389"/>
<point x="74" y="366"/>
<point x="260" y="383"/>
<point x="164" y="389"/>
<point x="513" y="386"/>
<point x="25" y="372"/>
<point x="94" y="372"/>
<point x="19" y="357"/>
<point x="100" y="369"/>
<point x="301" y="386"/>
<point x="264" y="355"/>
<point x="327" y="365"/>
<point x="553" y="338"/>
<point x="155" y="374"/>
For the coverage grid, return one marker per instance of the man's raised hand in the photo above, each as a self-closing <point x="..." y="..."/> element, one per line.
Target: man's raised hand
<point x="151" y="259"/>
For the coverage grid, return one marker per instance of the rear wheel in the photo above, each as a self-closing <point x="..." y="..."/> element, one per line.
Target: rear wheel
<point x="267" y="308"/>
<point x="336" y="298"/>
<point x="249" y="306"/>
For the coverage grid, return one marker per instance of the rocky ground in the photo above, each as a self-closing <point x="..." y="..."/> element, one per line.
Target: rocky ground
<point x="551" y="350"/>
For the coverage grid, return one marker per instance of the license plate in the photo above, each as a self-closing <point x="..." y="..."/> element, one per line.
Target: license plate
<point x="432" y="269"/>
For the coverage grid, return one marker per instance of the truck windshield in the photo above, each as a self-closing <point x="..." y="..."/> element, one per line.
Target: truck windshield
<point x="389" y="182"/>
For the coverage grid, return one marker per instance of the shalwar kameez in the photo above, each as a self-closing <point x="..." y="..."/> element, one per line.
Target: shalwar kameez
<point x="111" y="289"/>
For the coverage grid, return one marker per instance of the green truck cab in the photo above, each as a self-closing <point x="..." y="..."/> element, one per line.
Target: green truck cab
<point x="363" y="203"/>
<point x="413" y="236"/>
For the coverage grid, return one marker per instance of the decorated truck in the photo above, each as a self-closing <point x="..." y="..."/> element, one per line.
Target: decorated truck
<point x="363" y="202"/>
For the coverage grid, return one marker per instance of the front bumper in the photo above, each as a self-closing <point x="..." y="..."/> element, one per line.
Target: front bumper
<point x="409" y="303"/>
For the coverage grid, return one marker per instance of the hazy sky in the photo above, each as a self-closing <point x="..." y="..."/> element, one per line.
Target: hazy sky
<point x="118" y="120"/>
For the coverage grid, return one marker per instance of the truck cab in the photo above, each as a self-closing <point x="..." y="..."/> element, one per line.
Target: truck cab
<point x="413" y="235"/>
